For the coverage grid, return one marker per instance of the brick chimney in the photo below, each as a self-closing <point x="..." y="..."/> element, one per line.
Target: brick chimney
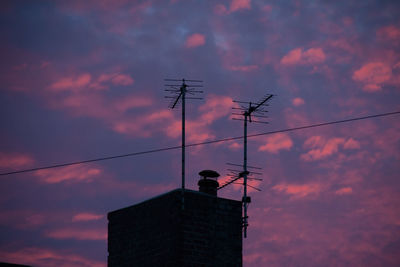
<point x="158" y="232"/>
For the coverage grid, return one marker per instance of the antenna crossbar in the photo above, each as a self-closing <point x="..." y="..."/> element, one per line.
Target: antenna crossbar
<point x="241" y="102"/>
<point x="236" y="119"/>
<point x="255" y="179"/>
<point x="249" y="172"/>
<point x="229" y="182"/>
<point x="251" y="167"/>
<point x="187" y="85"/>
<point x="259" y="116"/>
<point x="199" y="98"/>
<point x="182" y="80"/>
<point x="256" y="116"/>
<point x="263" y="101"/>
<point x="258" y="189"/>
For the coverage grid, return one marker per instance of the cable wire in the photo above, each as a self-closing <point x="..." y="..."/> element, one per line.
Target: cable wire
<point x="198" y="144"/>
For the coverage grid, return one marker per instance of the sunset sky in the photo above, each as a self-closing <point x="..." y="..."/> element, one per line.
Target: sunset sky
<point x="84" y="79"/>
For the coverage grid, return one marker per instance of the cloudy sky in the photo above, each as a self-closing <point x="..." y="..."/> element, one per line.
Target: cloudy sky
<point x="84" y="79"/>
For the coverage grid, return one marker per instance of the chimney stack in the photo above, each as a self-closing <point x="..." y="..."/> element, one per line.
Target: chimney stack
<point x="158" y="232"/>
<point x="208" y="184"/>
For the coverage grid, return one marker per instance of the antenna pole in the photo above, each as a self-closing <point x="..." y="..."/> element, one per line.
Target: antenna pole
<point x="244" y="200"/>
<point x="247" y="113"/>
<point x="180" y="91"/>
<point x="183" y="93"/>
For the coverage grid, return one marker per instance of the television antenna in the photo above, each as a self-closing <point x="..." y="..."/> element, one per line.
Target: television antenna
<point x="178" y="94"/>
<point x="249" y="111"/>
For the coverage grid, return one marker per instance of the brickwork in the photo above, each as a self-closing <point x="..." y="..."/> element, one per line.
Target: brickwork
<point x="158" y="232"/>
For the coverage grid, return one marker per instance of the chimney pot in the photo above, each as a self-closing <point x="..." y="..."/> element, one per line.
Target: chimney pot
<point x="208" y="184"/>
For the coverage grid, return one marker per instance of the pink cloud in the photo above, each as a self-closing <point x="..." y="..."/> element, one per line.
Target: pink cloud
<point x="220" y="9"/>
<point x="299" y="190"/>
<point x="71" y="83"/>
<point x="321" y="150"/>
<point x="198" y="129"/>
<point x="15" y="160"/>
<point x="215" y="107"/>
<point x="298" y="101"/>
<point x="145" y="125"/>
<point x="351" y="144"/>
<point x="344" y="191"/>
<point x="293" y="57"/>
<point x="235" y="146"/>
<point x="90" y="100"/>
<point x="348" y="21"/>
<point x="277" y="142"/>
<point x="22" y="219"/>
<point x="233" y="186"/>
<point x="234" y="6"/>
<point x="88" y="104"/>
<point x="291" y="220"/>
<point x="343" y="49"/>
<point x="373" y="75"/>
<point x="386" y="141"/>
<point x="122" y="79"/>
<point x="86" y="216"/>
<point x="174" y="129"/>
<point x="314" y="55"/>
<point x="266" y="8"/>
<point x="295" y="118"/>
<point x="130" y="102"/>
<point x="308" y="57"/>
<point x="198" y="132"/>
<point x="94" y="104"/>
<point x="239" y="4"/>
<point x="233" y="56"/>
<point x="321" y="147"/>
<point x="195" y="40"/>
<point x="86" y="81"/>
<point x="244" y="68"/>
<point x="48" y="258"/>
<point x="314" y="141"/>
<point x="390" y="32"/>
<point x="45" y="64"/>
<point x="116" y="78"/>
<point x="78" y="234"/>
<point x="74" y="173"/>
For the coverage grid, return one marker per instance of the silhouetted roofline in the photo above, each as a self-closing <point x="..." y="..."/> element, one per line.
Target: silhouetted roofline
<point x="171" y="192"/>
<point x="6" y="264"/>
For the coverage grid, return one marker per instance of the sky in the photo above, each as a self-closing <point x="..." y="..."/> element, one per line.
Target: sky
<point x="85" y="79"/>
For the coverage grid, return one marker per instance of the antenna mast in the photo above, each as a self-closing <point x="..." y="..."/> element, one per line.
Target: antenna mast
<point x="179" y="94"/>
<point x="254" y="110"/>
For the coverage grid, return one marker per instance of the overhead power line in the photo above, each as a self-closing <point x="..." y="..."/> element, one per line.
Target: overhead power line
<point x="199" y="144"/>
